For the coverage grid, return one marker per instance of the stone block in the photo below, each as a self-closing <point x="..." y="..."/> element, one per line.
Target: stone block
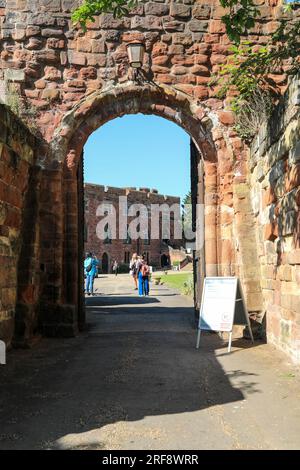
<point x="67" y="5"/>
<point x="269" y="196"/>
<point x="294" y="155"/>
<point x="88" y="73"/>
<point x="52" y="73"/>
<point x="50" y="94"/>
<point x="41" y="19"/>
<point x="270" y="231"/>
<point x="180" y="10"/>
<point x="77" y="58"/>
<point x="52" y="33"/>
<point x="107" y="21"/>
<point x="47" y="55"/>
<point x="280" y="186"/>
<point x="172" y="25"/>
<point x="218" y="59"/>
<point x="268" y="215"/>
<point x="96" y="60"/>
<point x="254" y="301"/>
<point x="276" y="172"/>
<point x="293" y="257"/>
<point x="33" y="30"/>
<point x="293" y="180"/>
<point x="296" y="275"/>
<point x="201" y="12"/>
<point x="268" y="272"/>
<point x="148" y="23"/>
<point x="260" y="170"/>
<point x="198" y="26"/>
<point x="156" y="9"/>
<point x="226" y="118"/>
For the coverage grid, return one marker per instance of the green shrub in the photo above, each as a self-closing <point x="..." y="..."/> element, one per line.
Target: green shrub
<point x="188" y="287"/>
<point x="123" y="268"/>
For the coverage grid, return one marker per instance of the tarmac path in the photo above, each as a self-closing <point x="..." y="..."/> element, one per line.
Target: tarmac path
<point x="134" y="380"/>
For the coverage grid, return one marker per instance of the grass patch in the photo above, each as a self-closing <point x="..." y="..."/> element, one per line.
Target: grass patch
<point x="179" y="281"/>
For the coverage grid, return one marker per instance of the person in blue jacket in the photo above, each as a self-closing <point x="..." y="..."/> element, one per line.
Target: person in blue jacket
<point x="90" y="269"/>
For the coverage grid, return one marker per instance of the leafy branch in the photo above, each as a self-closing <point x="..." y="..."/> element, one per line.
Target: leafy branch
<point x="241" y="17"/>
<point x="90" y="8"/>
<point x="249" y="66"/>
<point x="248" y="76"/>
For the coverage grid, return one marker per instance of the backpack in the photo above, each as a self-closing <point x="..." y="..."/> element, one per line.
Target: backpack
<point x="145" y="270"/>
<point x="89" y="267"/>
<point x="134" y="268"/>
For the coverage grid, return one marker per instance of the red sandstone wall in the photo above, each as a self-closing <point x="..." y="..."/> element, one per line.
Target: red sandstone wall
<point x="275" y="195"/>
<point x="95" y="195"/>
<point x="55" y="65"/>
<point x="17" y="153"/>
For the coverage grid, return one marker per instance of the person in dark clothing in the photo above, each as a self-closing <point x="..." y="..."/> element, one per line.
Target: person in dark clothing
<point x="115" y="267"/>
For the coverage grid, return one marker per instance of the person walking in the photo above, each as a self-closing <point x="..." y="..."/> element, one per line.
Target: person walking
<point x="97" y="265"/>
<point x="139" y="264"/>
<point x="133" y="269"/>
<point x="143" y="276"/>
<point x="115" y="267"/>
<point x="90" y="269"/>
<point x="145" y="271"/>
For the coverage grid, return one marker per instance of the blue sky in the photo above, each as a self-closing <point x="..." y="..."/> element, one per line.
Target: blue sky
<point x="141" y="151"/>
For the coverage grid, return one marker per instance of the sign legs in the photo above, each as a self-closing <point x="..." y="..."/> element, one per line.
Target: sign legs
<point x="250" y="331"/>
<point x="2" y="352"/>
<point x="229" y="342"/>
<point x="198" y="339"/>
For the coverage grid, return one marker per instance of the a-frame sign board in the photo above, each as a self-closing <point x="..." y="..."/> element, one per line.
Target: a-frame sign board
<point x="222" y="306"/>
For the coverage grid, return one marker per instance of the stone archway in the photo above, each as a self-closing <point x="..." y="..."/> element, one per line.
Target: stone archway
<point x="131" y="98"/>
<point x="71" y="82"/>
<point x="66" y="160"/>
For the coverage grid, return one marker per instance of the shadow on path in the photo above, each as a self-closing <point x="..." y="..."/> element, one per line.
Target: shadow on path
<point x="135" y="362"/>
<point x="104" y="300"/>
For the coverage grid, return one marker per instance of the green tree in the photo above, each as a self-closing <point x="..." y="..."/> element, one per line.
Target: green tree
<point x="187" y="198"/>
<point x="187" y="216"/>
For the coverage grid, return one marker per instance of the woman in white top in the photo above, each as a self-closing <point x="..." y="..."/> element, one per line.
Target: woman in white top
<point x="133" y="269"/>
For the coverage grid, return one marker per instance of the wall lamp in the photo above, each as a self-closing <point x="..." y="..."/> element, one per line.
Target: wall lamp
<point x="136" y="50"/>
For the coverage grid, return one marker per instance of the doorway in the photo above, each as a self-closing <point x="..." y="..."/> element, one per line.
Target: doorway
<point x="164" y="261"/>
<point x="105" y="263"/>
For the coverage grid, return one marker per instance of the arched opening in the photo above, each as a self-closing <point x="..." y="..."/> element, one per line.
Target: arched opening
<point x="68" y="145"/>
<point x="105" y="264"/>
<point x="165" y="261"/>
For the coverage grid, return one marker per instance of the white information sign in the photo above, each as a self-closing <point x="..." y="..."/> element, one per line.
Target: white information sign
<point x="222" y="306"/>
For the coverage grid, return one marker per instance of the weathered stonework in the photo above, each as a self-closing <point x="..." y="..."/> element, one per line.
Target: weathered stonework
<point x="275" y="189"/>
<point x="17" y="158"/>
<point x="70" y="83"/>
<point x="57" y="64"/>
